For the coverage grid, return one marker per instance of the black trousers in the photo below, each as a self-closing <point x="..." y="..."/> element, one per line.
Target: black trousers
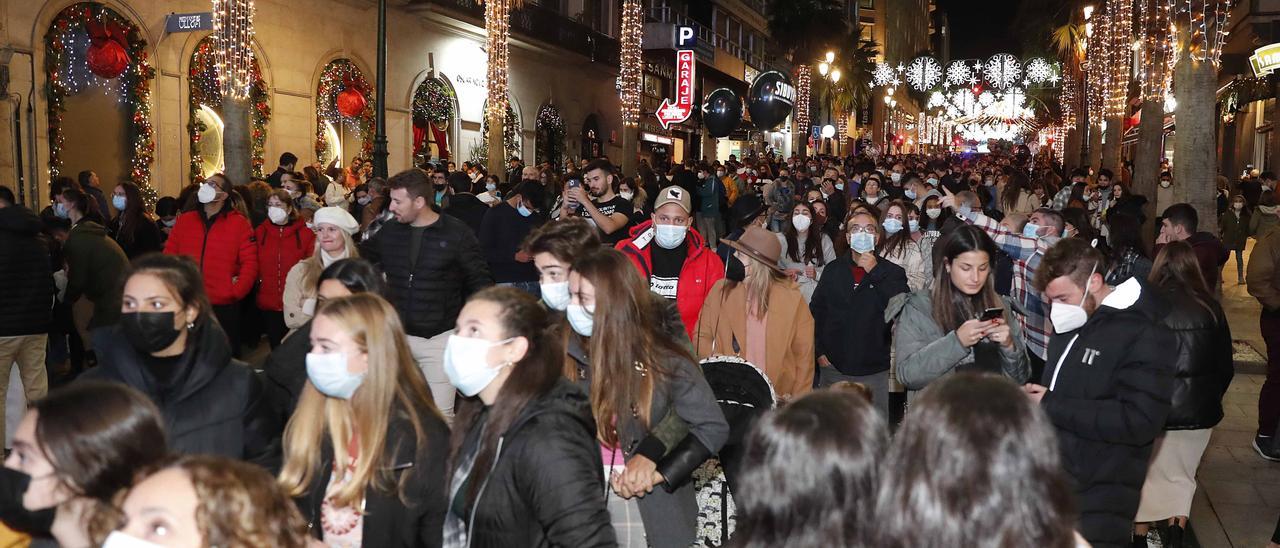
<point x="229" y="318"/>
<point x="273" y="325"/>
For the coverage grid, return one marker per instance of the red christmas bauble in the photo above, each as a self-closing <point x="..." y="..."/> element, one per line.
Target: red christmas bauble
<point x="351" y="102"/>
<point x="107" y="58"/>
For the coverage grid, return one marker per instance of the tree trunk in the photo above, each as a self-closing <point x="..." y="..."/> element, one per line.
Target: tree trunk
<point x="497" y="145"/>
<point x="1111" y="151"/>
<point x="1195" y="166"/>
<point x="1146" y="161"/>
<point x="630" y="150"/>
<point x="237" y="149"/>
<point x="1095" y="147"/>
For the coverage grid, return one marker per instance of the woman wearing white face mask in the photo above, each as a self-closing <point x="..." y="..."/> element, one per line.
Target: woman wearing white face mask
<point x="525" y="433"/>
<point x="960" y="323"/>
<point x="365" y="450"/>
<point x="334" y="229"/>
<point x="282" y="242"/>
<point x="805" y="252"/>
<point x="899" y="247"/>
<point x="639" y="376"/>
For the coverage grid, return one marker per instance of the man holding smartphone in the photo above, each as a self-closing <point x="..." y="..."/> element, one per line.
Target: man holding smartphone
<point x="596" y="201"/>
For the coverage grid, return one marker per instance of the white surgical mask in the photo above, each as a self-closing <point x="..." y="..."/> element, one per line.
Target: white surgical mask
<point x="910" y="194"/>
<point x="1070" y="317"/>
<point x="364" y="200"/>
<point x="121" y="539"/>
<point x="891" y="225"/>
<point x="466" y="366"/>
<point x="627" y="195"/>
<point x="914" y="225"/>
<point x="862" y="242"/>
<point x="328" y="373"/>
<point x="932" y="181"/>
<point x="206" y="193"/>
<point x="60" y="211"/>
<point x="581" y="318"/>
<point x="491" y="187"/>
<point x="895" y="176"/>
<point x="277" y="215"/>
<point x="669" y="236"/>
<point x="119" y="202"/>
<point x="933" y="212"/>
<point x="555" y="295"/>
<point x="801" y="222"/>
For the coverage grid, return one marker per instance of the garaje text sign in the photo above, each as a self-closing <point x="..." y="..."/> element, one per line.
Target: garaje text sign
<point x="675" y="112"/>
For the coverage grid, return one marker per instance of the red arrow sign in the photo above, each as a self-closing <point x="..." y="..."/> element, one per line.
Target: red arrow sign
<point x="680" y="110"/>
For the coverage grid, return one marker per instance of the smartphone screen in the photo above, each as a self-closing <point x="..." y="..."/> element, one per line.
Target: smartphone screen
<point x="992" y="314"/>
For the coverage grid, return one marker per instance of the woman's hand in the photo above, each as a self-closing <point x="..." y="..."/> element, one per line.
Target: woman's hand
<point x="1000" y="334"/>
<point x="637" y="479"/>
<point x="972" y="331"/>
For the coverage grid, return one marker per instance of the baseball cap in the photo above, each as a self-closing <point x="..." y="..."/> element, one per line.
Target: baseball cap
<point x="674" y="195"/>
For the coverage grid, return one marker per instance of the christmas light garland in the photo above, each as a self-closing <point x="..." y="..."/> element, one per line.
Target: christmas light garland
<point x="632" y="62"/>
<point x="497" y="24"/>
<point x="338" y="76"/>
<point x="1206" y="21"/>
<point x="1097" y="74"/>
<point x="233" y="47"/>
<point x="511" y="130"/>
<point x="803" y="77"/>
<point x="135" y="86"/>
<point x="1119" y="56"/>
<point x="549" y="119"/>
<point x="433" y="102"/>
<point x="1157" y="49"/>
<point x="204" y="88"/>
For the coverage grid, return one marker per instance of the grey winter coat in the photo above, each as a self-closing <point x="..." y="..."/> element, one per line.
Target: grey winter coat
<point x="924" y="352"/>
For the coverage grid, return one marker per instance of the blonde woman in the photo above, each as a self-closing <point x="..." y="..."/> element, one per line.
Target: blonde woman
<point x="334" y="229"/>
<point x="365" y="450"/>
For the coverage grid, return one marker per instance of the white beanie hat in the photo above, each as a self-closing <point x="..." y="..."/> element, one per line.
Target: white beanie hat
<point x="338" y="217"/>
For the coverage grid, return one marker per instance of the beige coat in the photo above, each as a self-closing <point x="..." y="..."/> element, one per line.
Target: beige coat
<point x="789" y="344"/>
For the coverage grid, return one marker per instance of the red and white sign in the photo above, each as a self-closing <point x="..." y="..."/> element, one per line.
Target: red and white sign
<point x="680" y="110"/>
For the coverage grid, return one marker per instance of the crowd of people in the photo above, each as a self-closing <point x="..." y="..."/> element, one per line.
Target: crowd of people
<point x="910" y="350"/>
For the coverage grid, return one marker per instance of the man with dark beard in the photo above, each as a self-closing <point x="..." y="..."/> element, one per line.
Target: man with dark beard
<point x="596" y="201"/>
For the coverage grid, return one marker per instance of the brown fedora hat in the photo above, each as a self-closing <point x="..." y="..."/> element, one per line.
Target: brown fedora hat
<point x="759" y="244"/>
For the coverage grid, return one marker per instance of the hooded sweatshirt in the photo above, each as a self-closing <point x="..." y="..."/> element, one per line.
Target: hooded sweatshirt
<point x="25" y="274"/>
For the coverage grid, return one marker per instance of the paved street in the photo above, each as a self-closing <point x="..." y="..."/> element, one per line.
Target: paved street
<point x="1239" y="493"/>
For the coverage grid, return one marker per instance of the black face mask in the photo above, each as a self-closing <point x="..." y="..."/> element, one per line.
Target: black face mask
<point x="13" y="485"/>
<point x="734" y="270"/>
<point x="149" y="332"/>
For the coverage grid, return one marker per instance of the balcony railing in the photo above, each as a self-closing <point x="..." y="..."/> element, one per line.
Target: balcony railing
<point x="545" y="25"/>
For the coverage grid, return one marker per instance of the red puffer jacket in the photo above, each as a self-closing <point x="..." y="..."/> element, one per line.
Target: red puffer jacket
<point x="224" y="251"/>
<point x="279" y="248"/>
<point x="702" y="269"/>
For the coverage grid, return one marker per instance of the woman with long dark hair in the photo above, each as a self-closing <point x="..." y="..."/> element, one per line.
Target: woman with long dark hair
<point x="1017" y="198"/>
<point x="809" y="474"/>
<point x="960" y="323"/>
<point x="132" y="228"/>
<point x="1129" y="256"/>
<point x="80" y="447"/>
<point x="638" y="374"/>
<point x="806" y="249"/>
<point x="975" y="463"/>
<point x="365" y="450"/>
<point x="524" y="432"/>
<point x="1202" y="372"/>
<point x="898" y="245"/>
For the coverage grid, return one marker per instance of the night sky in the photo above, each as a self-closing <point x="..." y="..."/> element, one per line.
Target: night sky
<point x="981" y="28"/>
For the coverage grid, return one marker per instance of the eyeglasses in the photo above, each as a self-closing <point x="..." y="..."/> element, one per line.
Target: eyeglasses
<point x="868" y="229"/>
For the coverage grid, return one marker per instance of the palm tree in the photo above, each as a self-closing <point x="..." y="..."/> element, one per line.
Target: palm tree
<point x="853" y="92"/>
<point x="805" y="29"/>
<point x="497" y="19"/>
<point x="1154" y="27"/>
<point x="1195" y="163"/>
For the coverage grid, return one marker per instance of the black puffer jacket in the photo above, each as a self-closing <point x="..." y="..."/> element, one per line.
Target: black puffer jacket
<point x="546" y="487"/>
<point x="1109" y="385"/>
<point x="1204" y="366"/>
<point x="212" y="405"/>
<point x="285" y="372"/>
<point x="414" y="520"/>
<point x="450" y="268"/>
<point x="26" y="303"/>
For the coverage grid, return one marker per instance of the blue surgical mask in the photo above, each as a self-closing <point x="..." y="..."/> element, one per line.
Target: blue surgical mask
<point x="523" y="211"/>
<point x="490" y="187"/>
<point x="555" y="295"/>
<point x="466" y="366"/>
<point x="914" y="225"/>
<point x="669" y="236"/>
<point x="328" y="373"/>
<point x="581" y="318"/>
<point x="911" y="194"/>
<point x="1030" y="230"/>
<point x="862" y="242"/>
<point x="439" y="196"/>
<point x="60" y="210"/>
<point x="118" y="202"/>
<point x="932" y="181"/>
<point x="892" y="226"/>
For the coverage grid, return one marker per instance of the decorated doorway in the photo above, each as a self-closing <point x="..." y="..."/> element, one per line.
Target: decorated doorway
<point x="511" y="132"/>
<point x="344" y="114"/>
<point x="99" y="97"/>
<point x="549" y="141"/>
<point x="435" y="112"/>
<point x="204" y="106"/>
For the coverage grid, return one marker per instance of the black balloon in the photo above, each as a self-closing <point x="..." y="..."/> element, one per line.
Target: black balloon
<point x="721" y="112"/>
<point x="771" y="99"/>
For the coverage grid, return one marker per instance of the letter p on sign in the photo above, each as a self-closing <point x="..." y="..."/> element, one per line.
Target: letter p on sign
<point x="686" y="37"/>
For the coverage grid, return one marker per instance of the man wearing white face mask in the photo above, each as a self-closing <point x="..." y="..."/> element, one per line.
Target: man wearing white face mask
<point x="1107" y="384"/>
<point x="674" y="258"/>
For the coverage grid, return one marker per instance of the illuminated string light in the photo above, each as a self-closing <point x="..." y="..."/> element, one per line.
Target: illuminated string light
<point x="1119" y="57"/>
<point x="632" y="62"/>
<point x="233" y="47"/>
<point x="337" y="76"/>
<point x="803" y="77"/>
<point x="1157" y="50"/>
<point x="204" y="88"/>
<point x="497" y="24"/>
<point x="1206" y="21"/>
<point x="1097" y="59"/>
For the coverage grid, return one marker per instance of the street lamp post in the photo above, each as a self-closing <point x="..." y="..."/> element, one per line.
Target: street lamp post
<point x="832" y="75"/>
<point x="380" y="117"/>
